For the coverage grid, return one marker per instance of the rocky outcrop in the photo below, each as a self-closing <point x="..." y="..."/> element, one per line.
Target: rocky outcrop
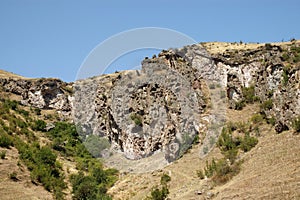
<point x="41" y="93"/>
<point x="142" y="112"/>
<point x="177" y="95"/>
<point x="275" y="79"/>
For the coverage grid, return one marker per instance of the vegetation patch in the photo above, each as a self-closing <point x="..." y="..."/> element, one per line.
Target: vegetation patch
<point x="296" y="124"/>
<point x="222" y="170"/>
<point x="161" y="192"/>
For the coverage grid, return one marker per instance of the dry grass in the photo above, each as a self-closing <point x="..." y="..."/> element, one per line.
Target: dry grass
<point x="22" y="188"/>
<point x="220" y="47"/>
<point x="5" y="74"/>
<point x="270" y="171"/>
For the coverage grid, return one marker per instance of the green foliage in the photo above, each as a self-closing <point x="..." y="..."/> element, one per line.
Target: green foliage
<point x="271" y="121"/>
<point x="10" y="104"/>
<point x="39" y="125"/>
<point x="239" y="105"/>
<point x="93" y="185"/>
<point x="165" y="178"/>
<point x="295" y="49"/>
<point x="66" y="140"/>
<point x="96" y="144"/>
<point x="249" y="94"/>
<point x="25" y="113"/>
<point x="161" y="192"/>
<point x="296" y="124"/>
<point x="229" y="145"/>
<point x="285" y="56"/>
<point x="285" y="76"/>
<point x="257" y="118"/>
<point x="267" y="105"/>
<point x="226" y="142"/>
<point x="90" y="186"/>
<point x="296" y="59"/>
<point x="248" y="142"/>
<point x="5" y="140"/>
<point x="2" y="154"/>
<point x="41" y="161"/>
<point x="221" y="171"/>
<point x="224" y="169"/>
<point x="137" y="119"/>
<point x="196" y="140"/>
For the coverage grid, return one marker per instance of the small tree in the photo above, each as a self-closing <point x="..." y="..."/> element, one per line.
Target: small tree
<point x="296" y="124"/>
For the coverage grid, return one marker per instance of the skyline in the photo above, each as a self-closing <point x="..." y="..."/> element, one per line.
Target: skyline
<point x="53" y="38"/>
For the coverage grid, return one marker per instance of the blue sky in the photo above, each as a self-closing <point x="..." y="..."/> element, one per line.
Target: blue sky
<point x="51" y="38"/>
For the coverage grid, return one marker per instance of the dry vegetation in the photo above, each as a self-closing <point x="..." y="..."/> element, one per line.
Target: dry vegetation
<point x="271" y="170"/>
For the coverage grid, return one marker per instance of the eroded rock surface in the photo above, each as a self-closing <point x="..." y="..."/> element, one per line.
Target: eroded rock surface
<point x="41" y="93"/>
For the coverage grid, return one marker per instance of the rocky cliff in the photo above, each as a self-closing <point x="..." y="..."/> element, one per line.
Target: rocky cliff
<point x="41" y="93"/>
<point x="176" y="96"/>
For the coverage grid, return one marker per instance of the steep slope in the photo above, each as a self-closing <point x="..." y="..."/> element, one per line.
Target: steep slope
<point x="255" y="87"/>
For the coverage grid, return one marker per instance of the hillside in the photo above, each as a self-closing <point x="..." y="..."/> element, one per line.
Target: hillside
<point x="223" y="124"/>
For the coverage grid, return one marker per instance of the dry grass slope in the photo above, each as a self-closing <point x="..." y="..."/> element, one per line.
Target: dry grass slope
<point x="270" y="171"/>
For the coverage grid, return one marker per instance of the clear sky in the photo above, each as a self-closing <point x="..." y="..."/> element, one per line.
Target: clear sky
<point x="51" y="38"/>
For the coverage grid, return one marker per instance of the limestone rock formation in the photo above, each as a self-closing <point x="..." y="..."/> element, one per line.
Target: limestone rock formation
<point x="176" y="96"/>
<point x="275" y="80"/>
<point x="41" y="93"/>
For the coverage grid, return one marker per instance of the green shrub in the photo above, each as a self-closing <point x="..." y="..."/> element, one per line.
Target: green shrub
<point x="285" y="57"/>
<point x="2" y="154"/>
<point x="267" y="105"/>
<point x="196" y="140"/>
<point x="41" y="161"/>
<point x="295" y="49"/>
<point x="239" y="105"/>
<point x="221" y="171"/>
<point x="212" y="86"/>
<point x="137" y="119"/>
<point x="249" y="94"/>
<point x="86" y="187"/>
<point x="23" y="112"/>
<point x="39" y="125"/>
<point x="159" y="194"/>
<point x="11" y="104"/>
<point x="257" y="118"/>
<point x="5" y="140"/>
<point x="165" y="178"/>
<point x="285" y="76"/>
<point x="248" y="143"/>
<point x="271" y="121"/>
<point x="296" y="124"/>
<point x="296" y="59"/>
<point x="226" y="141"/>
<point x="95" y="145"/>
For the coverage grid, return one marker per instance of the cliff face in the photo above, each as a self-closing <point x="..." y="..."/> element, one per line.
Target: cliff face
<point x="175" y="97"/>
<point x="273" y="71"/>
<point x="41" y="93"/>
<point x="155" y="110"/>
